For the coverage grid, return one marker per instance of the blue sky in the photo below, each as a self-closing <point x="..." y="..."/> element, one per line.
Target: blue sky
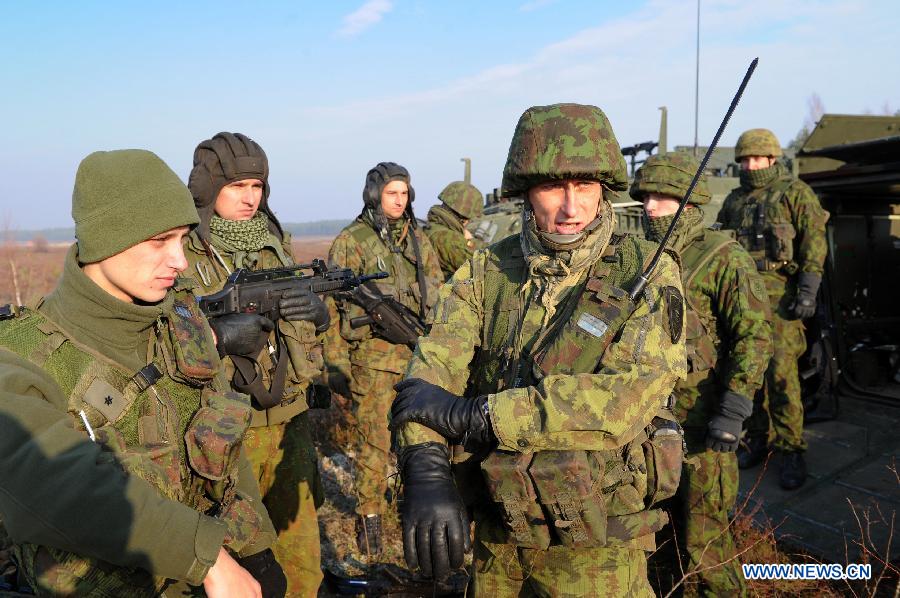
<point x="330" y="89"/>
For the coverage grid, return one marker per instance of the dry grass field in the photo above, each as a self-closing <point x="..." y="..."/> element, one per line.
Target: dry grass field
<point x="28" y="272"/>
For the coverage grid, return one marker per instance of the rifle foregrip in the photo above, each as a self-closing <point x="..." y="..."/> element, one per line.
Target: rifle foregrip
<point x="361" y="321"/>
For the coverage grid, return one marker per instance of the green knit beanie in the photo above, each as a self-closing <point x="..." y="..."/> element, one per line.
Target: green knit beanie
<point x="124" y="197"/>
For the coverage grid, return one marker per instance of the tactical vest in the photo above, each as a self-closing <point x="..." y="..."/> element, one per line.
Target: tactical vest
<point x="574" y="498"/>
<point x="764" y="227"/>
<point x="701" y="330"/>
<point x="167" y="424"/>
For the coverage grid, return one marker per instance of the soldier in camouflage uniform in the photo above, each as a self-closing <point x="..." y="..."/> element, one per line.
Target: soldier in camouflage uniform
<point x="362" y="366"/>
<point x="781" y="223"/>
<point x="238" y="229"/>
<point x="729" y="344"/>
<point x="120" y="442"/>
<point x="564" y="438"/>
<point x="460" y="203"/>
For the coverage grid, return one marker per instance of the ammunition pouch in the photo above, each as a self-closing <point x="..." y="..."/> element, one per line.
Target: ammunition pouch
<point x="157" y="463"/>
<point x="511" y="487"/>
<point x="664" y="452"/>
<point x="191" y="341"/>
<point x="213" y="441"/>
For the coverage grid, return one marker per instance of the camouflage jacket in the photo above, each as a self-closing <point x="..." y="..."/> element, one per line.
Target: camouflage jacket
<point x="597" y="410"/>
<point x="446" y="234"/>
<point x="727" y="328"/>
<point x="359" y="248"/>
<point x="781" y="224"/>
<point x="304" y="346"/>
<point x="146" y="382"/>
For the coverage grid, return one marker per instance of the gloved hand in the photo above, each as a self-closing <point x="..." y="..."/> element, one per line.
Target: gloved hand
<point x="724" y="429"/>
<point x="339" y="382"/>
<point x="241" y="334"/>
<point x="434" y="519"/>
<point x="266" y="570"/>
<point x="458" y="419"/>
<point x="304" y="305"/>
<point x="804" y="305"/>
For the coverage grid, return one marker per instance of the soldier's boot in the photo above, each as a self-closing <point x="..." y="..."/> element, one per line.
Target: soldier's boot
<point x="752" y="451"/>
<point x="793" y="470"/>
<point x="368" y="534"/>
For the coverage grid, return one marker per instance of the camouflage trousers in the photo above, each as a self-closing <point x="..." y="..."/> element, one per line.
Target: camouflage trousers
<point x="506" y="571"/>
<point x="284" y="460"/>
<point x="373" y="393"/>
<point x="707" y="492"/>
<point x="778" y="406"/>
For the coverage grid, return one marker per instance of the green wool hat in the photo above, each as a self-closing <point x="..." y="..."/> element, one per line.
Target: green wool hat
<point x="124" y="197"/>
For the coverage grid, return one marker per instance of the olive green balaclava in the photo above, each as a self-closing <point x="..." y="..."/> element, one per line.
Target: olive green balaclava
<point x="124" y="197"/>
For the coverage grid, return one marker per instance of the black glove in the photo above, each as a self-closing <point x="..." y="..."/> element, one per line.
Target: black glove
<point x="266" y="570"/>
<point x="241" y="334"/>
<point x="807" y="288"/>
<point x="434" y="519"/>
<point x="339" y="382"/>
<point x="318" y="396"/>
<point x="724" y="428"/>
<point x="458" y="419"/>
<point x="304" y="305"/>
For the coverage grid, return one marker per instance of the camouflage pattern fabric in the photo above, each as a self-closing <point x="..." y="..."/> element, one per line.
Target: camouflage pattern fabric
<point x="373" y="393"/>
<point x="563" y="141"/>
<point x="464" y="199"/>
<point x="285" y="464"/>
<point x="789" y="217"/>
<point x="370" y="364"/>
<point x="757" y="142"/>
<point x="670" y="174"/>
<point x="446" y="233"/>
<point x="505" y="571"/>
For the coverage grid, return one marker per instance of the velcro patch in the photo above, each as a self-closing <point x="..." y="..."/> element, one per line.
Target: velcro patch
<point x="675" y="311"/>
<point x="592" y="325"/>
<point x="758" y="288"/>
<point x="103" y="397"/>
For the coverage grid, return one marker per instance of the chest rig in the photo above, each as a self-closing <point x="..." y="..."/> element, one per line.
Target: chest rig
<point x="701" y="331"/>
<point x="576" y="498"/>
<point x="764" y="227"/>
<point x="167" y="423"/>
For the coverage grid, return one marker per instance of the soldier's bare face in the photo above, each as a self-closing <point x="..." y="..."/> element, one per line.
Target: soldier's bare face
<point x="657" y="205"/>
<point x="565" y="206"/>
<point x="143" y="272"/>
<point x="394" y="198"/>
<point x="239" y="200"/>
<point x="756" y="162"/>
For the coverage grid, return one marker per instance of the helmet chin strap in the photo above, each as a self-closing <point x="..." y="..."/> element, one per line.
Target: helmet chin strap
<point x="561" y="242"/>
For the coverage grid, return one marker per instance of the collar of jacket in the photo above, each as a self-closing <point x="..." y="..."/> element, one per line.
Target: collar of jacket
<point x="88" y="314"/>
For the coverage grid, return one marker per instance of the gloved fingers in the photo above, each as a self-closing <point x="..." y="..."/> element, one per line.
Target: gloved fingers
<point x="298" y="312"/>
<point x="297" y="293"/>
<point x="440" y="560"/>
<point x="409" y="546"/>
<point x="423" y="548"/>
<point x="264" y="323"/>
<point x="457" y="536"/>
<point x="400" y="410"/>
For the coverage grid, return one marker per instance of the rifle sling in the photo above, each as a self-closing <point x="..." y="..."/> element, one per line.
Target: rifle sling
<point x="420" y="272"/>
<point x="249" y="381"/>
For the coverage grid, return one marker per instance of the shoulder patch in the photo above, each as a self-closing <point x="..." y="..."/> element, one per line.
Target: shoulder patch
<point x="758" y="288"/>
<point x="104" y="398"/>
<point x="675" y="312"/>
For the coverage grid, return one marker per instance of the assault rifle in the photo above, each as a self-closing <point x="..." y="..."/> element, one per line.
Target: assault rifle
<point x="259" y="291"/>
<point x="390" y="319"/>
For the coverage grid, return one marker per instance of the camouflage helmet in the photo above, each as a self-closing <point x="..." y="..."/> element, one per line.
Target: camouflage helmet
<point x="563" y="141"/>
<point x="757" y="142"/>
<point x="670" y="174"/>
<point x="464" y="199"/>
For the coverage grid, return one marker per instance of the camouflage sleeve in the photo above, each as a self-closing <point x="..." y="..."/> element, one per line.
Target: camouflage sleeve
<point x="432" y="262"/>
<point x="59" y="489"/>
<point x="452" y="250"/>
<point x="607" y="409"/>
<point x="443" y="356"/>
<point x="344" y="254"/>
<point x="726" y="212"/>
<point x="809" y="219"/>
<point x="258" y="528"/>
<point x="742" y="309"/>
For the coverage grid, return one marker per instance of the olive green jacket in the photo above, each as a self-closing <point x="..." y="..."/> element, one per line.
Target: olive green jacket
<point x="57" y="489"/>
